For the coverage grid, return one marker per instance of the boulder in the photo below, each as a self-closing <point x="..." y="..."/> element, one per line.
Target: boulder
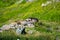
<point x="21" y="22"/>
<point x="30" y="25"/>
<point x="32" y="20"/>
<point x="13" y="25"/>
<point x="5" y="27"/>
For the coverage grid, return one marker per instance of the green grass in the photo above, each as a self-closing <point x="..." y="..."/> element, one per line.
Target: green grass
<point x="34" y="9"/>
<point x="48" y="15"/>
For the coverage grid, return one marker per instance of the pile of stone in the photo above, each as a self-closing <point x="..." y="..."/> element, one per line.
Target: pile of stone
<point x="20" y="25"/>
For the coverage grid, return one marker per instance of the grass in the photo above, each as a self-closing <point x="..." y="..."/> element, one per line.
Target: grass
<point x="10" y="35"/>
<point x="40" y="33"/>
<point x="48" y="15"/>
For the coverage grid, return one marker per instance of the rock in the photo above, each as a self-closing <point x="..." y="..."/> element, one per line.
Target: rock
<point x="30" y="25"/>
<point x="28" y="19"/>
<point x="21" y="22"/>
<point x="5" y="27"/>
<point x="32" y="20"/>
<point x="13" y="25"/>
<point x="45" y="4"/>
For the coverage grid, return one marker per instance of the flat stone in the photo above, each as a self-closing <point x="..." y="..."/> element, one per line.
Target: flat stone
<point x="5" y="27"/>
